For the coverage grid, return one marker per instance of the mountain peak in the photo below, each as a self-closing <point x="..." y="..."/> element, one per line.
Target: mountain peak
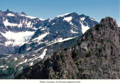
<point x="109" y="22"/>
<point x="73" y="13"/>
<point x="68" y="14"/>
<point x="8" y="10"/>
<point x="23" y="13"/>
<point x="82" y="15"/>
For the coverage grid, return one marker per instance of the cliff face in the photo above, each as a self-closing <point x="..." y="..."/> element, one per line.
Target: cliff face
<point x="95" y="56"/>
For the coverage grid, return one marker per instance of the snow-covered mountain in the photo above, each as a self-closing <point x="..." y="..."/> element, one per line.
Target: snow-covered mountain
<point x="16" y="29"/>
<point x="35" y="38"/>
<point x="30" y="33"/>
<point x="58" y="29"/>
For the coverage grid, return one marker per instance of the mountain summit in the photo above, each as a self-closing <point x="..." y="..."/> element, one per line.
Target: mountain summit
<point x="58" y="29"/>
<point x="95" y="56"/>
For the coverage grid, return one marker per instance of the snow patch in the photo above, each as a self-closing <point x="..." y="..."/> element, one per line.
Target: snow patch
<point x="41" y="56"/>
<point x="34" y="28"/>
<point x="82" y="19"/>
<point x="84" y="28"/>
<point x="31" y="17"/>
<point x="43" y="28"/>
<point x="15" y="59"/>
<point x="8" y="43"/>
<point x="18" y="38"/>
<point x="33" y="55"/>
<point x="21" y="68"/>
<point x="73" y="31"/>
<point x="2" y="66"/>
<point x="40" y="37"/>
<point x="41" y="19"/>
<point x="53" y="23"/>
<point x="28" y="48"/>
<point x="27" y="16"/>
<point x="25" y="23"/>
<point x="10" y="14"/>
<point x="9" y="55"/>
<point x="68" y="19"/>
<point x="6" y="23"/>
<point x="59" y="40"/>
<point x="22" y="62"/>
<point x="38" y="49"/>
<point x="31" y="63"/>
<point x="7" y="66"/>
<point x="71" y="23"/>
<point x="29" y="24"/>
<point x="22" y="56"/>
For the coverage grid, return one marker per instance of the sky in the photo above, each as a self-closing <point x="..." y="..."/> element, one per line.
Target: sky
<point x="45" y="9"/>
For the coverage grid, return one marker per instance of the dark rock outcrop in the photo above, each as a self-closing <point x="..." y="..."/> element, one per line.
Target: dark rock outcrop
<point x="95" y="56"/>
<point x="23" y="13"/>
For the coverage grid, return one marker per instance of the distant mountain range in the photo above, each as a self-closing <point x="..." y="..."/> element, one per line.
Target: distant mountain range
<point x="30" y="33"/>
<point x="57" y="30"/>
<point x="25" y="40"/>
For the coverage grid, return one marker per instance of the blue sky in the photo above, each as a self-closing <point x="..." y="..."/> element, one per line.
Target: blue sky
<point x="96" y="9"/>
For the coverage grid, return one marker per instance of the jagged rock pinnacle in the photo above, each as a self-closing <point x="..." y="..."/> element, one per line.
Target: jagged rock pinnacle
<point x="109" y="22"/>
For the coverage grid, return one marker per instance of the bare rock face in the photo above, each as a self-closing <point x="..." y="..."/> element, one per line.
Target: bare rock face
<point x="109" y="22"/>
<point x="95" y="56"/>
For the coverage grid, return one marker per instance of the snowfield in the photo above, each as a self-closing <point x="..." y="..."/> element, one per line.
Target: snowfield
<point x="10" y="14"/>
<point x="6" y="23"/>
<point x="40" y="37"/>
<point x="59" y="40"/>
<point x="84" y="28"/>
<point x="82" y="19"/>
<point x="25" y="23"/>
<point x="17" y="38"/>
<point x="68" y="19"/>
